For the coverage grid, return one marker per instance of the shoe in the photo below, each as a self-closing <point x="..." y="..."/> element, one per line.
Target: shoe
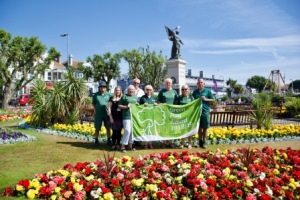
<point x="163" y="146"/>
<point x="113" y="148"/>
<point x="132" y="149"/>
<point x="145" y="147"/>
<point x="190" y="146"/>
<point x="171" y="145"/>
<point x="201" y="143"/>
<point x="150" y="147"/>
<point x="181" y="146"/>
<point x="123" y="150"/>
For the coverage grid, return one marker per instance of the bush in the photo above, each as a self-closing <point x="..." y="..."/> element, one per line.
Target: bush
<point x="293" y="107"/>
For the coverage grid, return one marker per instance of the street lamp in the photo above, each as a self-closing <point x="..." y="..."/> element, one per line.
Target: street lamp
<point x="292" y="85"/>
<point x="67" y="35"/>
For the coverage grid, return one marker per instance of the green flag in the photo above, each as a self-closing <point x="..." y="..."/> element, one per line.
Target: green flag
<point x="164" y="121"/>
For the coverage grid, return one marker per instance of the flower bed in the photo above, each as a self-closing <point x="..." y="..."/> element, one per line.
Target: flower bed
<point x="11" y="137"/>
<point x="14" y="113"/>
<point x="237" y="174"/>
<point x="216" y="135"/>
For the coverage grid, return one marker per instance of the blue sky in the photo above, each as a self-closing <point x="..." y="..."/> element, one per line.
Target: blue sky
<point x="225" y="38"/>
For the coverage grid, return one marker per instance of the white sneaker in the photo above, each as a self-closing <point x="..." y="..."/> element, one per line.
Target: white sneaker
<point x="190" y="146"/>
<point x="181" y="146"/>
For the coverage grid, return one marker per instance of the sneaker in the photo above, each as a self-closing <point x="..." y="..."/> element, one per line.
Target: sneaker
<point x="203" y="145"/>
<point x="190" y="146"/>
<point x="132" y="149"/>
<point x="200" y="143"/>
<point x="181" y="146"/>
<point x="123" y="150"/>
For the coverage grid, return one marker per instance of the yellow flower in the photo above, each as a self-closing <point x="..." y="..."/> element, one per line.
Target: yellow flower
<point x="63" y="172"/>
<point x="137" y="182"/>
<point x="151" y="188"/>
<point x="53" y="197"/>
<point x="77" y="187"/>
<point x="249" y="183"/>
<point x="31" y="194"/>
<point x="200" y="176"/>
<point x="90" y="177"/>
<point x="34" y="183"/>
<point x="275" y="171"/>
<point x="19" y="187"/>
<point x="57" y="189"/>
<point x="108" y="196"/>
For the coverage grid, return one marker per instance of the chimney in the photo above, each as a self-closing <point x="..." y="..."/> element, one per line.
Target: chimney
<point x="71" y="60"/>
<point x="201" y="74"/>
<point x="189" y="72"/>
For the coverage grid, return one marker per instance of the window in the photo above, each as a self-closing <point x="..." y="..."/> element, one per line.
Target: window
<point x="49" y="76"/>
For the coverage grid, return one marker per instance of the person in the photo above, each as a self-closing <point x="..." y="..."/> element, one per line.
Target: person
<point x="100" y="102"/>
<point x="168" y="96"/>
<point x="206" y="97"/>
<point x="146" y="99"/>
<point x="183" y="99"/>
<point x="139" y="93"/>
<point x="124" y="105"/>
<point x="115" y="117"/>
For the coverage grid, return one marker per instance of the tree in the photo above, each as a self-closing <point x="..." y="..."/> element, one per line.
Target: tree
<point x="147" y="66"/>
<point x="59" y="104"/>
<point x="104" y="68"/>
<point x="231" y="83"/>
<point x="257" y="82"/>
<point x="238" y="89"/>
<point x="295" y="85"/>
<point x="21" y="57"/>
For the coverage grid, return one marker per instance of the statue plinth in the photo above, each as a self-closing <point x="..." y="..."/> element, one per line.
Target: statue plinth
<point x="176" y="71"/>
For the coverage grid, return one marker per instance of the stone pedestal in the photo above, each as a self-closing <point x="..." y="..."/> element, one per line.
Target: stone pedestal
<point x="176" y="71"/>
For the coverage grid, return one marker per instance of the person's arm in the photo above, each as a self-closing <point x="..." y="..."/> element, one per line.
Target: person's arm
<point x="121" y="104"/>
<point x="109" y="112"/>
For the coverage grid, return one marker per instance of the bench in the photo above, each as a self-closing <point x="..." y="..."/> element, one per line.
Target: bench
<point x="87" y="114"/>
<point x="231" y="118"/>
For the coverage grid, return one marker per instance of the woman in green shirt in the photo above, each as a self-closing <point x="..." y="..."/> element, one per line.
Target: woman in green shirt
<point x="168" y="96"/>
<point x="146" y="99"/>
<point x="183" y="99"/>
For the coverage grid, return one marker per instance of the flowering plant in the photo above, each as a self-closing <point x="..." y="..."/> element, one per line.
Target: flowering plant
<point x="10" y="137"/>
<point x="14" y="113"/>
<point x="270" y="174"/>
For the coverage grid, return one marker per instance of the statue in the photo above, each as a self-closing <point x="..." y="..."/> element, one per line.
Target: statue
<point x="173" y="36"/>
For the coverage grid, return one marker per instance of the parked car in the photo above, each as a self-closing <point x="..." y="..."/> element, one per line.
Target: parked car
<point x="23" y="100"/>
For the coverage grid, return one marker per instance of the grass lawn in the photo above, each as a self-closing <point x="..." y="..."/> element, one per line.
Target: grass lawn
<point x="23" y="160"/>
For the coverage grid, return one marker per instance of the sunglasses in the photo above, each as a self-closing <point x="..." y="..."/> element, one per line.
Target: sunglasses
<point x="148" y="89"/>
<point x="136" y="83"/>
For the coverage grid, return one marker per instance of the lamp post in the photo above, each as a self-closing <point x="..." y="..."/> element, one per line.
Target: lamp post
<point x="292" y="85"/>
<point x="67" y="35"/>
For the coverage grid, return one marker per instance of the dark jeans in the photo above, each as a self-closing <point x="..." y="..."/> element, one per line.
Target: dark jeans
<point x="116" y="137"/>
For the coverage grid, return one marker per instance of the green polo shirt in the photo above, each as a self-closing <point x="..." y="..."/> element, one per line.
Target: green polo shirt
<point x="205" y="105"/>
<point x="146" y="99"/>
<point x="101" y="103"/>
<point x="125" y="100"/>
<point x="167" y="96"/>
<point x="182" y="100"/>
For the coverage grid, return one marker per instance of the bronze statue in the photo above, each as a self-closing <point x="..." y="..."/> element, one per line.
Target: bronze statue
<point x="173" y="36"/>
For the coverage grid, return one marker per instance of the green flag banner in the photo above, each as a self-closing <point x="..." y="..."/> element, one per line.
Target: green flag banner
<point x="165" y="122"/>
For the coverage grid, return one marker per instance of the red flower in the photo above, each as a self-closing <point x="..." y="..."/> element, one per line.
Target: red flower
<point x="105" y="190"/>
<point x="162" y="185"/>
<point x="8" y="192"/>
<point x="160" y="194"/>
<point x="127" y="190"/>
<point x="45" y="191"/>
<point x="239" y="192"/>
<point x="115" y="183"/>
<point x="211" y="182"/>
<point x="25" y="183"/>
<point x="265" y="197"/>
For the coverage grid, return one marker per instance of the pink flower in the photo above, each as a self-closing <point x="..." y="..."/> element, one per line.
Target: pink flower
<point x="120" y="176"/>
<point x="250" y="197"/>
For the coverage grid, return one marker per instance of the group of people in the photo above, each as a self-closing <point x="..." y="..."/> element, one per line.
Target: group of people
<point x="114" y="111"/>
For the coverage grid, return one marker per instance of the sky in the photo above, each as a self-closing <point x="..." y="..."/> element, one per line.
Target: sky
<point x="225" y="38"/>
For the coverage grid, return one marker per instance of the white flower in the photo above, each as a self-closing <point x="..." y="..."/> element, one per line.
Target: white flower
<point x="262" y="176"/>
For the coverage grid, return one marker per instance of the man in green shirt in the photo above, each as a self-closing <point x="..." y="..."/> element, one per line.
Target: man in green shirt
<point x="206" y="97"/>
<point x="100" y="103"/>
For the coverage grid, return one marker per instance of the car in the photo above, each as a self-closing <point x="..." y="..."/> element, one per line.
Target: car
<point x="12" y="102"/>
<point x="23" y="100"/>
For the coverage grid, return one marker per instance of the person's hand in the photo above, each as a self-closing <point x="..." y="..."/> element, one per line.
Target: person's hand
<point x="203" y="98"/>
<point x="111" y="120"/>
